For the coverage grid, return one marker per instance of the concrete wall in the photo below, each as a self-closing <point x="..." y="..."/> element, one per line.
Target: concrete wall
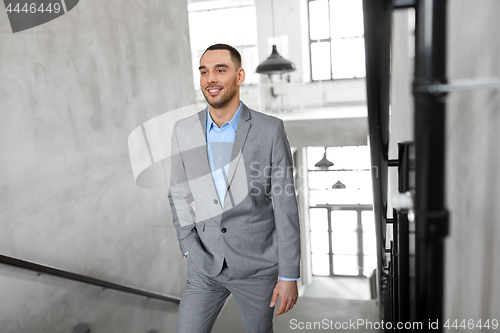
<point x="334" y="132"/>
<point x="401" y="124"/>
<point x="302" y="188"/>
<point x="71" y="91"/>
<point x="473" y="164"/>
<point x="473" y="156"/>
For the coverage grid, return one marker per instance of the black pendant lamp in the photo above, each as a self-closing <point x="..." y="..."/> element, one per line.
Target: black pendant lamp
<point x="324" y="162"/>
<point x="338" y="185"/>
<point x="275" y="63"/>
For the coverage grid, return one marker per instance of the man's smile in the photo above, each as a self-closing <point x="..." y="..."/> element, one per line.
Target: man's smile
<point x="213" y="91"/>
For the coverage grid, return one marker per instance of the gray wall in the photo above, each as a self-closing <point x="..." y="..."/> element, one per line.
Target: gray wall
<point x="333" y="132"/>
<point x="473" y="164"/>
<point x="401" y="123"/>
<point x="71" y="91"/>
<point x="472" y="262"/>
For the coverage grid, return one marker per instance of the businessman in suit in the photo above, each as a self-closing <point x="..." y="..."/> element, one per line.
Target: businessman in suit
<point x="233" y="204"/>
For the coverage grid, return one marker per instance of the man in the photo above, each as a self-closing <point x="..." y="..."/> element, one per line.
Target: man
<point x="233" y="204"/>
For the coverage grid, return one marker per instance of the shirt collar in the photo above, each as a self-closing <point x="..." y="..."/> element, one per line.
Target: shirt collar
<point x="233" y="122"/>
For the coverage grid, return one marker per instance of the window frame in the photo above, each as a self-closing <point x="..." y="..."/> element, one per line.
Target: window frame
<point x="240" y="47"/>
<point x="359" y="209"/>
<point x="329" y="41"/>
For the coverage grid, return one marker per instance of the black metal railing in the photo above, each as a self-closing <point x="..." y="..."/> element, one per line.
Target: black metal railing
<point x="431" y="216"/>
<point x="405" y="234"/>
<point x="410" y="286"/>
<point x="377" y="23"/>
<point x="84" y="279"/>
<point x="400" y="301"/>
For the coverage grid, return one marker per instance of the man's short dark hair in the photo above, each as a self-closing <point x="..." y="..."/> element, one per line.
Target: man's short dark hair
<point x="235" y="55"/>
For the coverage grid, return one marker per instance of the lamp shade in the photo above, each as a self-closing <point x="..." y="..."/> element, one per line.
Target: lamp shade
<point x="338" y="185"/>
<point x="275" y="64"/>
<point x="324" y="162"/>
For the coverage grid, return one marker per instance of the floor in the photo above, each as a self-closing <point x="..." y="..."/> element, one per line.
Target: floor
<point x="326" y="304"/>
<point x="338" y="287"/>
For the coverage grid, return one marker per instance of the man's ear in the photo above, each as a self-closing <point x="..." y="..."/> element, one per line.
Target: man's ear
<point x="241" y="76"/>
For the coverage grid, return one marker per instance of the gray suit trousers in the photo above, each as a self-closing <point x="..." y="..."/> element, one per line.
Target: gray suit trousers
<point x="204" y="296"/>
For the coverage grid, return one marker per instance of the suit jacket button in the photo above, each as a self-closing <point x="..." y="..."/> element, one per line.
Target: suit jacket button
<point x="216" y="201"/>
<point x="223" y="230"/>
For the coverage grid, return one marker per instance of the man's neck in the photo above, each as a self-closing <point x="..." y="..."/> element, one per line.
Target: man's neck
<point x="223" y="115"/>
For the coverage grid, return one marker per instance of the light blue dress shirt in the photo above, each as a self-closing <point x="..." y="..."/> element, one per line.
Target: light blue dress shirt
<point x="219" y="147"/>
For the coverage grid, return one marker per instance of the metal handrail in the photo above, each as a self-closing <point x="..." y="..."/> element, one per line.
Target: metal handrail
<point x="85" y="279"/>
<point x="431" y="215"/>
<point x="378" y="24"/>
<point x="406" y="301"/>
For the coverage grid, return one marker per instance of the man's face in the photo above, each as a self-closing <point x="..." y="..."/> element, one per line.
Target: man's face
<point x="219" y="78"/>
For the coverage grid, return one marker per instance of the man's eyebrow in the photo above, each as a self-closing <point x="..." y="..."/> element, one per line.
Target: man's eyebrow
<point x="216" y="66"/>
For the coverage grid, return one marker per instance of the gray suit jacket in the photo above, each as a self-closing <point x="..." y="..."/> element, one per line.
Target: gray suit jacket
<point x="257" y="232"/>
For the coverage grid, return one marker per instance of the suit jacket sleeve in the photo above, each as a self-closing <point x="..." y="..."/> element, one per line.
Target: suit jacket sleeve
<point x="285" y="206"/>
<point x="181" y="199"/>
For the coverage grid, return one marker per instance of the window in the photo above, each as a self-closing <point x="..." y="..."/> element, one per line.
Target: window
<point x="342" y="226"/>
<point x="351" y="168"/>
<point x="342" y="240"/>
<point x="336" y="39"/>
<point x="236" y="26"/>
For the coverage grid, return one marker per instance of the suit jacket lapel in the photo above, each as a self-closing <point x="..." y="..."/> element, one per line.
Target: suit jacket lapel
<point x="203" y="121"/>
<point x="242" y="129"/>
<point x="204" y="163"/>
